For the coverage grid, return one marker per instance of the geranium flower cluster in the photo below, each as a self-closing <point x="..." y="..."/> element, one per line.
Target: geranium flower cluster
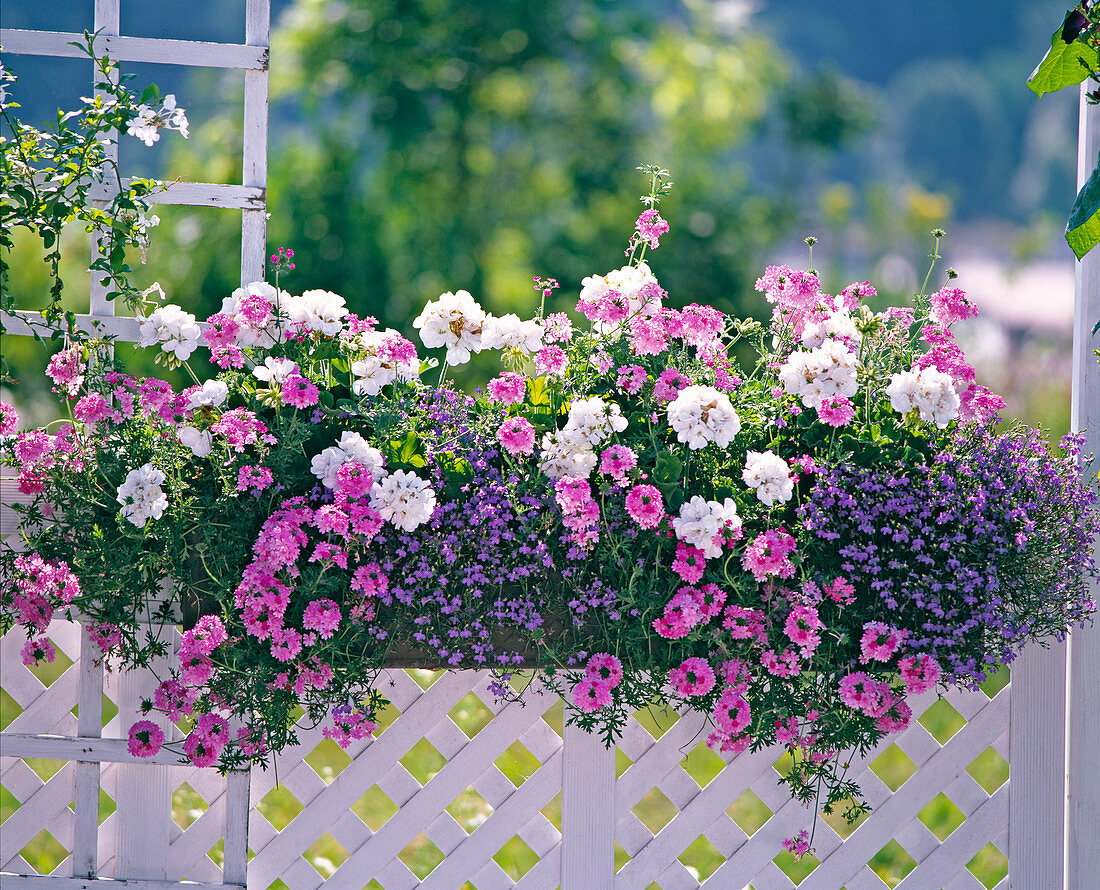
<point x="794" y="547"/>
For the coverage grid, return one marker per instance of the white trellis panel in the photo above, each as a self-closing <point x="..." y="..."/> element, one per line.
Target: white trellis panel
<point x="250" y="197"/>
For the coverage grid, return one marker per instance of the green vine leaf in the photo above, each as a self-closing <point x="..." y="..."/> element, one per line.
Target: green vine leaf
<point x="1083" y="226"/>
<point x="1064" y="65"/>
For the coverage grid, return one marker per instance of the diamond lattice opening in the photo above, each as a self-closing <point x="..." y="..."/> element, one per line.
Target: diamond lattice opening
<point x="942" y="721"/>
<point x="989" y="865"/>
<point x="749" y="812"/>
<point x="326" y="854"/>
<point x="656" y="720"/>
<point x="941" y="816"/>
<point x="385" y="717"/>
<point x="554" y="717"/>
<point x="106" y="806"/>
<point x="552" y="812"/>
<point x="44" y="769"/>
<point x="893" y="767"/>
<point x="187" y="806"/>
<point x="374" y="808"/>
<point x="622" y="763"/>
<point x="279" y="807"/>
<point x="9" y="709"/>
<point x="892" y="863"/>
<point x="328" y="760"/>
<point x="421" y="856"/>
<point x="701" y="858"/>
<point x="839" y="823"/>
<point x="423" y="761"/>
<point x="997" y="682"/>
<point x="703" y="765"/>
<point x="469" y="809"/>
<point x="43" y="854"/>
<point x="424" y="678"/>
<point x="796" y="869"/>
<point x="621" y="856"/>
<point x="989" y="769"/>
<point x="516" y="858"/>
<point x="8" y="804"/>
<point x="216" y="853"/>
<point x="655" y="810"/>
<point x="49" y="672"/>
<point x="470" y="715"/>
<point x="517" y="763"/>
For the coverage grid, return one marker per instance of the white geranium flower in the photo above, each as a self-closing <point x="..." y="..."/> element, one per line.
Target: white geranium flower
<point x="508" y="332"/>
<point x="370" y="374"/>
<point x="703" y="414"/>
<point x="141" y="496"/>
<point x="825" y="371"/>
<point x="350" y="448"/>
<point x="454" y="321"/>
<point x="403" y="499"/>
<point x="591" y="421"/>
<point x="700" y="522"/>
<point x="176" y="331"/>
<point x="563" y="457"/>
<point x="213" y="393"/>
<point x="320" y="310"/>
<point x="274" y="370"/>
<point x="930" y="391"/>
<point x="839" y="325"/>
<point x="199" y="441"/>
<point x="770" y="476"/>
<point x="636" y="284"/>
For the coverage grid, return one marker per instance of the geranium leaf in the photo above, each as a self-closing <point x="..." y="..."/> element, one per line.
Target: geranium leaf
<point x="1083" y="226"/>
<point x="1064" y="65"/>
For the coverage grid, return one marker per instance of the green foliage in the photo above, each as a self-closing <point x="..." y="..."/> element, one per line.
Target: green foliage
<point x="423" y="146"/>
<point x="1065" y="64"/>
<point x="1083" y="226"/>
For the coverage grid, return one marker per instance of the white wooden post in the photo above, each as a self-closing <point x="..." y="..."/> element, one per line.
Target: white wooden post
<point x="1083" y="745"/>
<point x="254" y="222"/>
<point x="588" y="812"/>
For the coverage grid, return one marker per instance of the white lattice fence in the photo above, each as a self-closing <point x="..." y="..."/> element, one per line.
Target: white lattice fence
<point x="459" y="790"/>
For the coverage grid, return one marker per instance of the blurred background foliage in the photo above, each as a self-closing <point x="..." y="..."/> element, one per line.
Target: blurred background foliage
<point x="419" y="146"/>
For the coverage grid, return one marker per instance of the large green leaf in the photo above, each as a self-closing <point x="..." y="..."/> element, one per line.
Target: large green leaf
<point x="1064" y="65"/>
<point x="1083" y="226"/>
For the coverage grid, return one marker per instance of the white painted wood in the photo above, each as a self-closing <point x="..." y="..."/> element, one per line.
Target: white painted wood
<point x="254" y="173"/>
<point x="107" y="24"/>
<point x="136" y="49"/>
<point x="201" y="194"/>
<point x="57" y="747"/>
<point x="125" y="329"/>
<point x="235" y="864"/>
<point x="89" y="725"/>
<point x="143" y="793"/>
<point x="588" y="811"/>
<point x="60" y="882"/>
<point x="1083" y="748"/>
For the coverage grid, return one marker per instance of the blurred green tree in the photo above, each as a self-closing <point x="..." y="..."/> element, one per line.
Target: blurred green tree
<point x="420" y="146"/>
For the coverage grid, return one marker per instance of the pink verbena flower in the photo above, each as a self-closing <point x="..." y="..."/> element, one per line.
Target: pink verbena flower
<point x="370" y="580"/>
<point x="105" y="636"/>
<point x="509" y="388"/>
<point x="690" y="562"/>
<point x="701" y="326"/>
<point x="803" y="627"/>
<point x="199" y="750"/>
<point x="880" y="641"/>
<point x="840" y="590"/>
<point x="745" y="624"/>
<point x="949" y="305"/>
<point x="551" y="360"/>
<point x="299" y="392"/>
<point x="605" y="668"/>
<point x="9" y="419"/>
<point x="349" y="724"/>
<point x="255" y="479"/>
<point x="617" y="460"/>
<point x="92" y="408"/>
<point x="791" y="289"/>
<point x="175" y="699"/>
<point x="896" y="718"/>
<point x="631" y="378"/>
<point x="681" y="615"/>
<point x="240" y="427"/>
<point x="669" y="384"/>
<point x="836" y="410"/>
<point x="146" y="739"/>
<point x="710" y="598"/>
<point x="323" y="616"/>
<point x="861" y="692"/>
<point x="693" y="677"/>
<point x="286" y="643"/>
<point x="213" y="728"/>
<point x="769" y="554"/>
<point x="783" y="664"/>
<point x="648" y="336"/>
<point x="731" y="712"/>
<point x="651" y="227"/>
<point x="736" y="675"/>
<point x="645" y="506"/>
<point x="799" y="845"/>
<point x="590" y="695"/>
<point x="66" y="369"/>
<point x="517" y="435"/>
<point x="980" y="404"/>
<point x="919" y="673"/>
<point x="38" y="650"/>
<point x="557" y="328"/>
<point x="207" y="634"/>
